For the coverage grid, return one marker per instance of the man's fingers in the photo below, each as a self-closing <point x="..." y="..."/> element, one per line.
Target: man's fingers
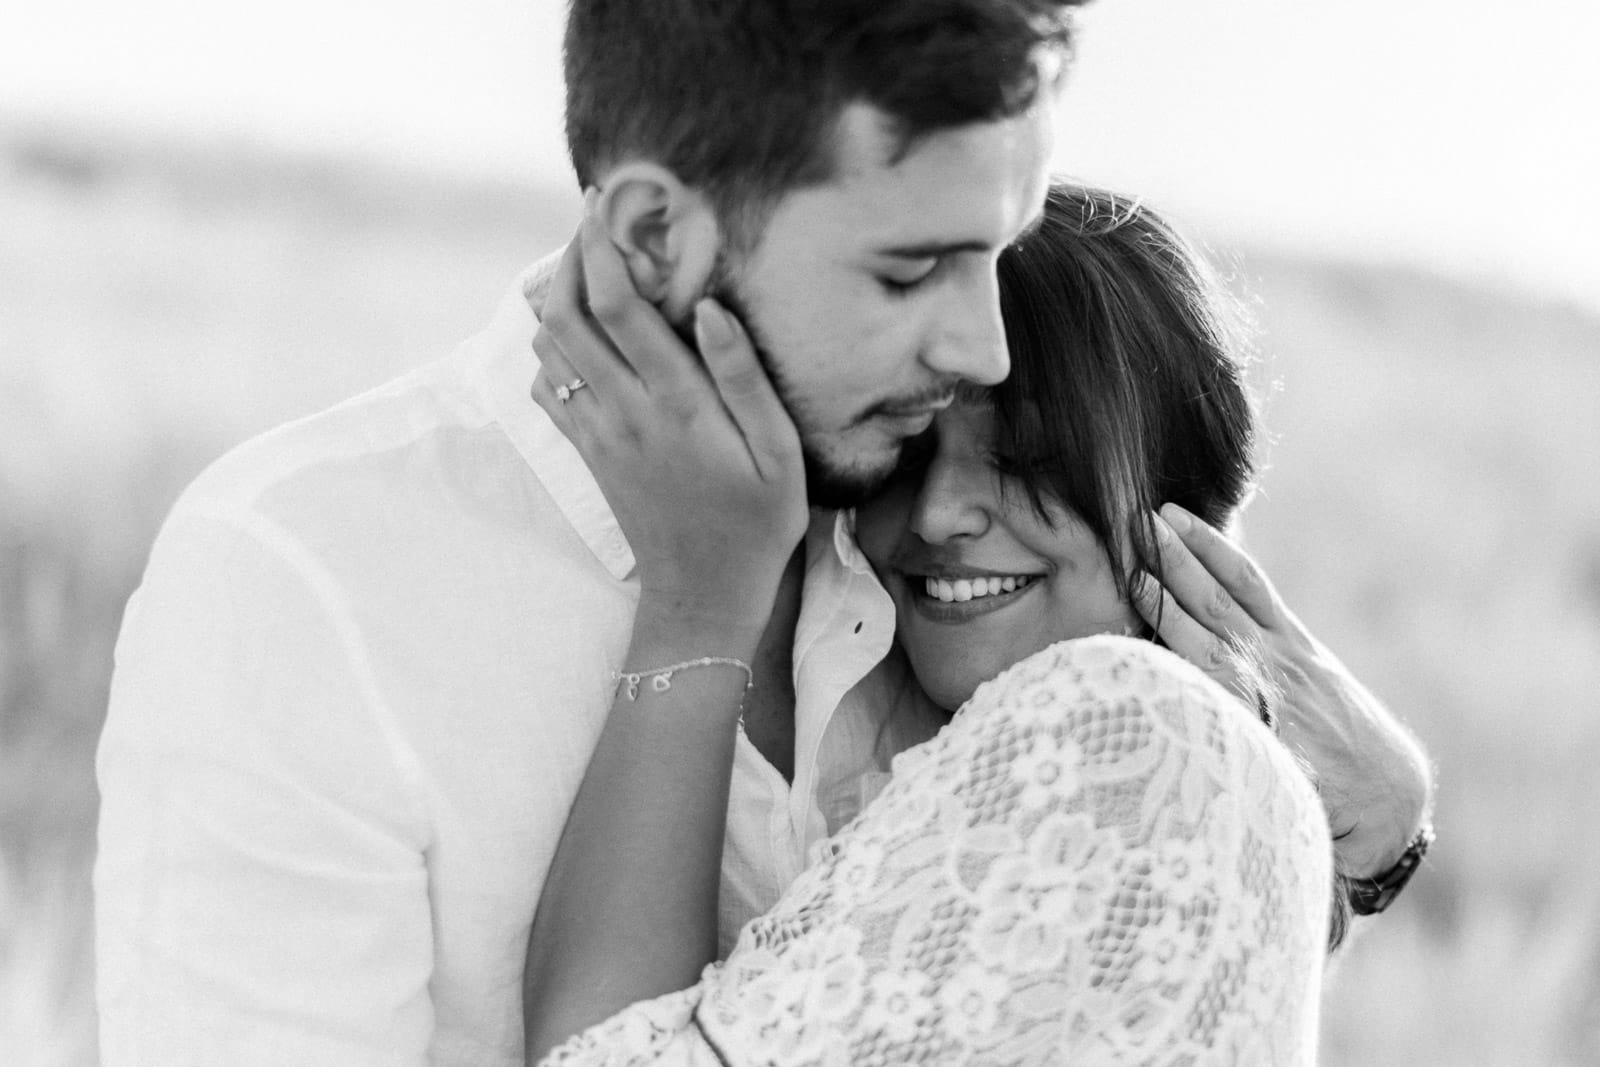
<point x="1229" y="564"/>
<point x="1196" y="643"/>
<point x="742" y="383"/>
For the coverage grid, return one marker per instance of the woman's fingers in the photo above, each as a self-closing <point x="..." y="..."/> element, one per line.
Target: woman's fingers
<point x="575" y="393"/>
<point x="652" y="408"/>
<point x="1228" y="564"/>
<point x="746" y="391"/>
<point x="555" y="372"/>
<point x="634" y="326"/>
<point x="568" y="322"/>
<point x="565" y="326"/>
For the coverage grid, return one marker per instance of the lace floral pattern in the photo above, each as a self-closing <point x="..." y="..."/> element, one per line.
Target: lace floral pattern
<point x="1103" y="859"/>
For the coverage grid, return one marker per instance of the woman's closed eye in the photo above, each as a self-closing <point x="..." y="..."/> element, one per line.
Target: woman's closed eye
<point x="1008" y="464"/>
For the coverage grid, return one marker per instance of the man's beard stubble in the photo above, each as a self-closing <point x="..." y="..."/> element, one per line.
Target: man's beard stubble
<point x="829" y="484"/>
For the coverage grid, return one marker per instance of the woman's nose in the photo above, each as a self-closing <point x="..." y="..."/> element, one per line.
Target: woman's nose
<point x="952" y="503"/>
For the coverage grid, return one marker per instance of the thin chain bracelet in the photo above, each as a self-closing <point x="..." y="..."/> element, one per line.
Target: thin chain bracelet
<point x="661" y="677"/>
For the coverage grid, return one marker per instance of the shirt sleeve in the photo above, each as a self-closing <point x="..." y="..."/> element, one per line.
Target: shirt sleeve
<point x="1104" y="858"/>
<point x="261" y="889"/>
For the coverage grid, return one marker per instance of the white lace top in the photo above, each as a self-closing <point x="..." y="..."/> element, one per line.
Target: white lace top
<point x="1105" y="858"/>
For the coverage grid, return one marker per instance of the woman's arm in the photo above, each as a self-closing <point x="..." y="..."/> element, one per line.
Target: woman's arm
<point x="629" y="906"/>
<point x="701" y="466"/>
<point x="1102" y="859"/>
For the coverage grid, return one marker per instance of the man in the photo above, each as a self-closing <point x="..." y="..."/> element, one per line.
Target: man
<point x="360" y="684"/>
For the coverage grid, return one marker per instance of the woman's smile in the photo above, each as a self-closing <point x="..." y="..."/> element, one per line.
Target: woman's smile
<point x="957" y="544"/>
<point x="958" y="598"/>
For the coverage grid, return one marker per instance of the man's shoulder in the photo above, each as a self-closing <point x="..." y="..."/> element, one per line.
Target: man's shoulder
<point x="322" y="456"/>
<point x="448" y="479"/>
<point x="441" y="429"/>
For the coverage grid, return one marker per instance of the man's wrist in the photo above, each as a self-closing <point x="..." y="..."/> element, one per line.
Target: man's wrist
<point x="1375" y="844"/>
<point x="1369" y="896"/>
<point x="1393" y="803"/>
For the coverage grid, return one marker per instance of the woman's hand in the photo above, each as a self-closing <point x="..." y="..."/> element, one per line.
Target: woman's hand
<point x="695" y="454"/>
<point x="1373" y="777"/>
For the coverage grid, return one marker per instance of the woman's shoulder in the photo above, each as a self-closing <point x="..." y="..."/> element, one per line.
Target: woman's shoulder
<point x="1118" y="684"/>
<point x="1140" y="716"/>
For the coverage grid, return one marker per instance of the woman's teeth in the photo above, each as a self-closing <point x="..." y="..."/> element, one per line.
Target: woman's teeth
<point x="973" y="588"/>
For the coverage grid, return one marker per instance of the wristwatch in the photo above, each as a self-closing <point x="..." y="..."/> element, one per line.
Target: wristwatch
<point x="1369" y="896"/>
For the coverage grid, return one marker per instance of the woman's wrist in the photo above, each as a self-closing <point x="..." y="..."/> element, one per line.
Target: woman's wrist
<point x="705" y="612"/>
<point x="665" y="632"/>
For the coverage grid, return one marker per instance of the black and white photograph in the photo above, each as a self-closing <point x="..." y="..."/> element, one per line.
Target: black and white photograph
<point x="799" y="533"/>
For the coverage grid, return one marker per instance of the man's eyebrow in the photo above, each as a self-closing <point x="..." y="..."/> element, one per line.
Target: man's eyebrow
<point x="935" y="249"/>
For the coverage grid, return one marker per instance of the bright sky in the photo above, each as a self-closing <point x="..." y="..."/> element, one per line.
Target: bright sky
<point x="1460" y="135"/>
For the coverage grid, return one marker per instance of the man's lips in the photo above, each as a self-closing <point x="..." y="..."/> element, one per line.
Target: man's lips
<point x="916" y="407"/>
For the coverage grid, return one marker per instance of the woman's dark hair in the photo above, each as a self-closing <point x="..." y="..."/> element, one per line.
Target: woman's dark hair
<point x="1126" y="388"/>
<point x="739" y="97"/>
<point x="1127" y="384"/>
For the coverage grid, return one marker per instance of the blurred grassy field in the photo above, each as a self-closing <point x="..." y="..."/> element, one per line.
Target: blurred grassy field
<point x="1432" y="511"/>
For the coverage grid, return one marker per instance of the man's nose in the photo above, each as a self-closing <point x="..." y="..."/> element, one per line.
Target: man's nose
<point x="969" y="341"/>
<point x="951" y="504"/>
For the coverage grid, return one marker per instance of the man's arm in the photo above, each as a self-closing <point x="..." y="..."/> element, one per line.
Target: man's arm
<point x="260" y="889"/>
<point x="1373" y="775"/>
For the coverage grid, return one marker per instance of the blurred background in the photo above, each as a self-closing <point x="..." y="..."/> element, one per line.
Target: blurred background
<point x="214" y="218"/>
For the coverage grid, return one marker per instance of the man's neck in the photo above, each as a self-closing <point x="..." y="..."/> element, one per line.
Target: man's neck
<point x="769" y="707"/>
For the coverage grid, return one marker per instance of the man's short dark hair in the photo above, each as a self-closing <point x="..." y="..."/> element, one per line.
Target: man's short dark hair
<point x="738" y="97"/>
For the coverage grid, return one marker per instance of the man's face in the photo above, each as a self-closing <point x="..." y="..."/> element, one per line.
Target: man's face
<point x="872" y="295"/>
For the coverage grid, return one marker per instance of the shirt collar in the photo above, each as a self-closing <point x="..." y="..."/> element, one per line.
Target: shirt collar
<point x="503" y="369"/>
<point x="845" y="628"/>
<point x="844" y="543"/>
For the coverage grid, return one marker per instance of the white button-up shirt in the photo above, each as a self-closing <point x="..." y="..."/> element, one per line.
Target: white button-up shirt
<point x="354" y="697"/>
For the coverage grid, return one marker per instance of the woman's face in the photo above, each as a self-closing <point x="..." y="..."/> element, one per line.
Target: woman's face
<point x="979" y="579"/>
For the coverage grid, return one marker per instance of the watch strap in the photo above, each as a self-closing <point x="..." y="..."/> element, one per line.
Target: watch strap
<point x="1369" y="896"/>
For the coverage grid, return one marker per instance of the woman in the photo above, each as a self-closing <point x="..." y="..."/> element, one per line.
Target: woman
<point x="1104" y="856"/>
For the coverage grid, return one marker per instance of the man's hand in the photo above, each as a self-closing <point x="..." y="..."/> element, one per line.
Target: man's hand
<point x="1373" y="776"/>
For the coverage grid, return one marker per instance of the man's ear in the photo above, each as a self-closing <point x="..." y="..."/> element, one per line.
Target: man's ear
<point x="666" y="232"/>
